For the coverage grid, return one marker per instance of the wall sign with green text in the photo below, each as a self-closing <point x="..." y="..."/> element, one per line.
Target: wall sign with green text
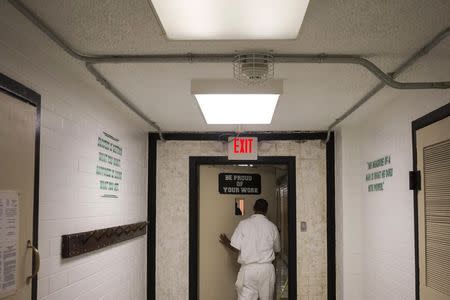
<point x="109" y="165"/>
<point x="378" y="171"/>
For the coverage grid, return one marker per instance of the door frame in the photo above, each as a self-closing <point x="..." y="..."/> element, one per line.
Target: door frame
<point x="194" y="179"/>
<point x="223" y="136"/>
<point x="22" y="93"/>
<point x="424" y="121"/>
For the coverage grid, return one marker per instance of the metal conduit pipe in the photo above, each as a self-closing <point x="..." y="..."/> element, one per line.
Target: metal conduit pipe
<point x="107" y="85"/>
<point x="341" y="59"/>
<point x="421" y="52"/>
<point x="278" y="58"/>
<point x="50" y="33"/>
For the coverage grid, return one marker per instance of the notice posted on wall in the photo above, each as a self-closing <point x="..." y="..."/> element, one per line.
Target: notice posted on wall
<point x="109" y="167"/>
<point x="9" y="212"/>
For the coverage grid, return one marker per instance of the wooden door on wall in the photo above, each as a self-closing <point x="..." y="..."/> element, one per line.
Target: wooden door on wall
<point x="17" y="171"/>
<point x="218" y="266"/>
<point x="433" y="161"/>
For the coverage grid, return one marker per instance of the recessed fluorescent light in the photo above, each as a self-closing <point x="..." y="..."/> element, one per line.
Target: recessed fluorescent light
<point x="231" y="19"/>
<point x="237" y="108"/>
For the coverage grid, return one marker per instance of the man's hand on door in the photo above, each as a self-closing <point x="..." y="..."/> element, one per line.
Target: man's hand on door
<point x="224" y="240"/>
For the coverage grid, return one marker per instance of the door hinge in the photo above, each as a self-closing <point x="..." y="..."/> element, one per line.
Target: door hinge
<point x="414" y="181"/>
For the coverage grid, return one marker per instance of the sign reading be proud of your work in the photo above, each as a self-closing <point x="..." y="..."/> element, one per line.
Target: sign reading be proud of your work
<point x="236" y="184"/>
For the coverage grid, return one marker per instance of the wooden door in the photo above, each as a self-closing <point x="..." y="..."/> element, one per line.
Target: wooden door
<point x="17" y="171"/>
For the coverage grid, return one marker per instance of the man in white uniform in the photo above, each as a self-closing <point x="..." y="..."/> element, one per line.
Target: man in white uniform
<point x="256" y="239"/>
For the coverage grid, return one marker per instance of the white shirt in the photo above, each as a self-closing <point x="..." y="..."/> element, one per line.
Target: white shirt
<point x="257" y="239"/>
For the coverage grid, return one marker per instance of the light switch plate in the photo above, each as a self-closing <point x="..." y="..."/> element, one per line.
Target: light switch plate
<point x="303" y="226"/>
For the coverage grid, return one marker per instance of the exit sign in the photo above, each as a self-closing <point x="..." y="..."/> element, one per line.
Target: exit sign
<point x="242" y="148"/>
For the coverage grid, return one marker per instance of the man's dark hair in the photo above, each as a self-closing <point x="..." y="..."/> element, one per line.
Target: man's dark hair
<point x="261" y="206"/>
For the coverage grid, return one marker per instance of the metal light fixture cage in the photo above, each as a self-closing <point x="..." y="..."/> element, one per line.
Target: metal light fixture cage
<point x="253" y="68"/>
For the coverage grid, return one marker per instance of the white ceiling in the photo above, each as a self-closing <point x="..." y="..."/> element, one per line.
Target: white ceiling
<point x="386" y="32"/>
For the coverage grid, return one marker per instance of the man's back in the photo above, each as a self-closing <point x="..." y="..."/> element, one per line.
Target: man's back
<point x="257" y="239"/>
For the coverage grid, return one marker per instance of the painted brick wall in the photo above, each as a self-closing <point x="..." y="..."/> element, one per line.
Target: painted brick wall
<point x="74" y="112"/>
<point x="376" y="243"/>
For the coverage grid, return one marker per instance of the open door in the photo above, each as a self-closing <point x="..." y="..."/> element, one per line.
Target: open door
<point x="19" y="260"/>
<point x="433" y="162"/>
<point x="213" y="268"/>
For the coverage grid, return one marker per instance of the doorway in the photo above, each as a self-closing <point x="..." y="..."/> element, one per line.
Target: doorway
<point x="431" y="149"/>
<point x="19" y="190"/>
<point x="212" y="269"/>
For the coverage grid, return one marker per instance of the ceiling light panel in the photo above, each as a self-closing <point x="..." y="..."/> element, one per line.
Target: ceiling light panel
<point x="237" y="108"/>
<point x="231" y="19"/>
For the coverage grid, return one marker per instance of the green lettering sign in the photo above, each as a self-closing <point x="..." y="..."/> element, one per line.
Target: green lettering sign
<point x="378" y="174"/>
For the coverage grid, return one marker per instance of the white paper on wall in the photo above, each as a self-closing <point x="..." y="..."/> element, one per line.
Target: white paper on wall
<point x="9" y="212"/>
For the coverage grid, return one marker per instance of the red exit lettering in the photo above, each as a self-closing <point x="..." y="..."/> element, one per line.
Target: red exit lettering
<point x="242" y="145"/>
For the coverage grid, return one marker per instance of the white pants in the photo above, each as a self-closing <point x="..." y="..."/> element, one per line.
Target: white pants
<point x="256" y="281"/>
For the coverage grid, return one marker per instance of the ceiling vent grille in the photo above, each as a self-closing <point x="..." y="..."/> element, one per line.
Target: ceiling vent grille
<point x="253" y="68"/>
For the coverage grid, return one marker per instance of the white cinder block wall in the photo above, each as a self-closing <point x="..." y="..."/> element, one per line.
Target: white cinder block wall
<point x="73" y="114"/>
<point x="375" y="230"/>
